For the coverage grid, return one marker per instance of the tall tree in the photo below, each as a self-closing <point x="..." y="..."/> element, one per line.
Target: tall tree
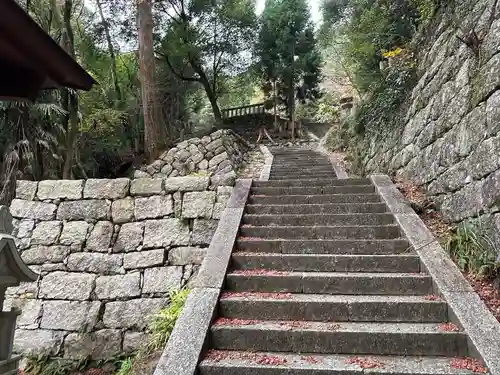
<point x="209" y="40"/>
<point x="70" y="100"/>
<point x="154" y="135"/>
<point x="288" y="52"/>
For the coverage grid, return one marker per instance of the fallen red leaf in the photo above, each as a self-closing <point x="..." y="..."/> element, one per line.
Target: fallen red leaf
<point x="365" y="363"/>
<point x="260" y="272"/>
<point x="277" y="296"/>
<point x="235" y="322"/>
<point x="449" y="327"/>
<point x="275" y="360"/>
<point x="432" y="297"/>
<point x="310" y="359"/>
<point x="467" y="363"/>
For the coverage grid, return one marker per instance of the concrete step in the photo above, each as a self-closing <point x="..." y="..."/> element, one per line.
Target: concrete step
<point x="326" y="262"/>
<point x="301" y="175"/>
<point x="338" y="338"/>
<point x="302" y="164"/>
<point x="329" y="282"/>
<point x="312" y="182"/>
<point x="322" y="232"/>
<point x="318" y="219"/>
<point x="220" y="362"/>
<point x="335" y="308"/>
<point x="298" y="190"/>
<point x="353" y="247"/>
<point x="315" y="199"/>
<point x="326" y="208"/>
<point x="303" y="169"/>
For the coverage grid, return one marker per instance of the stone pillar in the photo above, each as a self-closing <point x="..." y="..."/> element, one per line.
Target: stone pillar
<point x="13" y="271"/>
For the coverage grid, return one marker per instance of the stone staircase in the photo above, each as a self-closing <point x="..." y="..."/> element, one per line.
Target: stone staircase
<point x="321" y="282"/>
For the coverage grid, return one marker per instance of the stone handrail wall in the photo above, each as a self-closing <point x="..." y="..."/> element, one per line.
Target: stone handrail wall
<point x="450" y="142"/>
<point x="108" y="252"/>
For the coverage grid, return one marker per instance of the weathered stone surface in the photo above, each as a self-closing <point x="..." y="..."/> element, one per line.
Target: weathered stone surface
<point x="216" y="160"/>
<point x="23" y="228"/>
<point x="74" y="233"/>
<point x="106" y="188"/>
<point x="162" y="279"/>
<point x="60" y="189"/>
<point x="154" y="207"/>
<point x="31" y="312"/>
<point x="181" y="256"/>
<point x="45" y="254"/>
<point x="100" y="237"/>
<point x="130" y="237"/>
<point x="46" y="233"/>
<point x="132" y="341"/>
<point x="480" y="163"/>
<point x="226" y="179"/>
<point x="95" y="263"/>
<point x="70" y="315"/>
<point x="141" y="174"/>
<point x="214" y="144"/>
<point x="135" y="313"/>
<point x="84" y="210"/>
<point x="120" y="286"/>
<point x="464" y="203"/>
<point x="166" y="232"/>
<point x="223" y="193"/>
<point x="26" y="189"/>
<point x="187" y="183"/>
<point x="32" y="210"/>
<point x="66" y="285"/>
<point x="198" y="204"/>
<point x="122" y="210"/>
<point x="103" y="344"/>
<point x="146" y="186"/>
<point x="143" y="259"/>
<point x="218" y="210"/>
<point x="493" y="113"/>
<point x="203" y="231"/>
<point x="38" y="341"/>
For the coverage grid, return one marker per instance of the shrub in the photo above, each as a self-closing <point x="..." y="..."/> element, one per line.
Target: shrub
<point x="473" y="250"/>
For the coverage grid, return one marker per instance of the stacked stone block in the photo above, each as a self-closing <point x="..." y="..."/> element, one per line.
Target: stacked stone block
<point x="450" y="141"/>
<point x="219" y="153"/>
<point x="108" y="252"/>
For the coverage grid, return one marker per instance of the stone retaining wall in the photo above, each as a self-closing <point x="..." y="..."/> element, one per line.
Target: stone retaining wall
<point x="450" y="143"/>
<point x="108" y="252"/>
<point x="219" y="154"/>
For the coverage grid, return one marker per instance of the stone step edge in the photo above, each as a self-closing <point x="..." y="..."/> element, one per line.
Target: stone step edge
<point x="188" y="337"/>
<point x="240" y="362"/>
<point x="466" y="308"/>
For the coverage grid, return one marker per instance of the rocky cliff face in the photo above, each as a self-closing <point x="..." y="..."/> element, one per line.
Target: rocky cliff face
<point x="450" y="141"/>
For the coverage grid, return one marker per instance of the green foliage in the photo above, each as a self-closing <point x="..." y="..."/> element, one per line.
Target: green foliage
<point x="323" y="110"/>
<point x="163" y="323"/>
<point x="288" y="51"/>
<point x="207" y="41"/>
<point x="43" y="365"/>
<point x="126" y="366"/>
<point x="158" y="332"/>
<point x="473" y="250"/>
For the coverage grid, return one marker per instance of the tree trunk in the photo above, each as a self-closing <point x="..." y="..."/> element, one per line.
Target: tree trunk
<point x="111" y="51"/>
<point x="69" y="46"/>
<point x="212" y="97"/>
<point x="154" y="135"/>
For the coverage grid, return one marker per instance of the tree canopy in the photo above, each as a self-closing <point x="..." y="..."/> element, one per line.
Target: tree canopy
<point x="288" y="52"/>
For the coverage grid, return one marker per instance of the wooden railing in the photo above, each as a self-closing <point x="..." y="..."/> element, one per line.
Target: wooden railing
<point x="244" y="110"/>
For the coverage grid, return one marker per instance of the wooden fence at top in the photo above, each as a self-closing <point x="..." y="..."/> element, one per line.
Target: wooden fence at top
<point x="243" y="110"/>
